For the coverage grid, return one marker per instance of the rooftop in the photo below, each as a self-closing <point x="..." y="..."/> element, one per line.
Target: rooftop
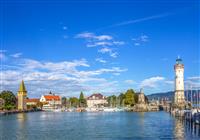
<point x="96" y="96"/>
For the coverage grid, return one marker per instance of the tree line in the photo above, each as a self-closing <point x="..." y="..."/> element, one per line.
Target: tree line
<point x="127" y="99"/>
<point x="74" y="101"/>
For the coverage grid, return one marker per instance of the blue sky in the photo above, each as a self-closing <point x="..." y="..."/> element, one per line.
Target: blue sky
<point x="98" y="46"/>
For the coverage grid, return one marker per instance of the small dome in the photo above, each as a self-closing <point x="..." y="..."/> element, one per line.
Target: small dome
<point x="179" y="60"/>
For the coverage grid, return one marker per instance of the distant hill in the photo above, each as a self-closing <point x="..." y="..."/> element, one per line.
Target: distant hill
<point x="161" y="95"/>
<point x="169" y="95"/>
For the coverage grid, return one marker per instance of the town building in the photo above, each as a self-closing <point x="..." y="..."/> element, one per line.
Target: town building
<point x="51" y="101"/>
<point x="32" y="102"/>
<point x="179" y="97"/>
<point x="96" y="101"/>
<point x="141" y="97"/>
<point x="21" y="97"/>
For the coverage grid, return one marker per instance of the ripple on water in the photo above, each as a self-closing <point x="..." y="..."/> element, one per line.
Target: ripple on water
<point x="94" y="126"/>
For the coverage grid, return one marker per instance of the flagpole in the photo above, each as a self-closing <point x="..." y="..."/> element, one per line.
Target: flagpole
<point x="191" y="95"/>
<point x="198" y="97"/>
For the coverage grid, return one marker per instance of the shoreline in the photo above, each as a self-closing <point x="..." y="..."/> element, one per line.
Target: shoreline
<point x="17" y="111"/>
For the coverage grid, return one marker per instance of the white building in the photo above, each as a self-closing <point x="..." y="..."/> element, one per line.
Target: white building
<point x="96" y="100"/>
<point x="179" y="97"/>
<point x="51" y="101"/>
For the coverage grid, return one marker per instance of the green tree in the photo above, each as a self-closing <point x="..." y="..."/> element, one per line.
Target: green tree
<point x="111" y="101"/>
<point x="9" y="98"/>
<point x="64" y="101"/>
<point x="121" y="98"/>
<point x="136" y="98"/>
<point x="129" y="97"/>
<point x="82" y="100"/>
<point x="74" y="102"/>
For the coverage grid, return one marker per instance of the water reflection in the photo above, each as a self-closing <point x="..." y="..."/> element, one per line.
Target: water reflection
<point x="186" y="129"/>
<point x="179" y="130"/>
<point x="192" y="128"/>
<point x="96" y="126"/>
<point x="21" y="121"/>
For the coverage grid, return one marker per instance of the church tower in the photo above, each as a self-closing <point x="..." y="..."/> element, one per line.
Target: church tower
<point x="22" y="94"/>
<point x="179" y="97"/>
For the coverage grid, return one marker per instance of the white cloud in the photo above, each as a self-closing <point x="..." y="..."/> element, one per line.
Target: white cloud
<point x="116" y="74"/>
<point x="105" y="50"/>
<point x="85" y="35"/>
<point x="129" y="82"/>
<point x="2" y="56"/>
<point x="151" y="82"/>
<point x="114" y="54"/>
<point x="169" y="82"/>
<point x="141" y="40"/>
<point x="194" y="78"/>
<point x="63" y="77"/>
<point x="103" y="43"/>
<point x="16" y="55"/>
<point x="118" y="42"/>
<point x="89" y="35"/>
<point x="192" y="82"/>
<point x="3" y="51"/>
<point x="144" y="38"/>
<point x="101" y="60"/>
<point x="137" y="44"/>
<point x="108" y="51"/>
<point x="103" y="37"/>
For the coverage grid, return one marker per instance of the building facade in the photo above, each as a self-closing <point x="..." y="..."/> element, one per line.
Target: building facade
<point x="51" y="101"/>
<point x="32" y="101"/>
<point x="21" y="97"/>
<point x="141" y="97"/>
<point x="179" y="97"/>
<point x="96" y="101"/>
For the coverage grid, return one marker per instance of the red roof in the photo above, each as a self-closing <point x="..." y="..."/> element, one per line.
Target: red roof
<point x="33" y="100"/>
<point x="96" y="96"/>
<point x="52" y="97"/>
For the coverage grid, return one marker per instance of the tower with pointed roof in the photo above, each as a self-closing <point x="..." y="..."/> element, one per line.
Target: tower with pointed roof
<point x="179" y="97"/>
<point x="21" y="95"/>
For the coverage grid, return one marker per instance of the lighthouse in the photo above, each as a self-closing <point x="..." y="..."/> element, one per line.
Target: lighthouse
<point x="179" y="97"/>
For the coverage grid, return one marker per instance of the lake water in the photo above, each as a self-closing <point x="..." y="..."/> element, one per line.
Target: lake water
<point x="95" y="126"/>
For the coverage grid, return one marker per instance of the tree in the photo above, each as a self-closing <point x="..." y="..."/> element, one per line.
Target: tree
<point x="64" y="101"/>
<point x="136" y="98"/>
<point x="82" y="100"/>
<point x="39" y="105"/>
<point x="9" y="98"/>
<point x="112" y="101"/>
<point x="129" y="97"/>
<point x="121" y="98"/>
<point x="74" y="102"/>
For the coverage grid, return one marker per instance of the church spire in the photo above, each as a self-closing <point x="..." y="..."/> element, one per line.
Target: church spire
<point x="21" y="97"/>
<point x="22" y="86"/>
